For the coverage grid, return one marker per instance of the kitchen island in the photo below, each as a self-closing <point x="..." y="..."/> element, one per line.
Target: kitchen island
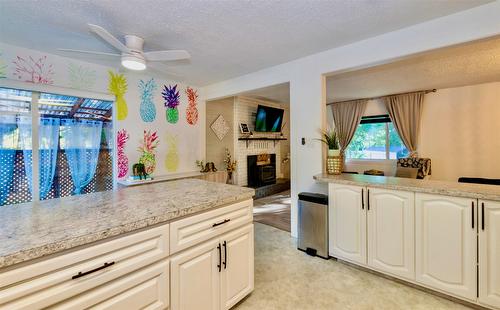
<point x="436" y="234"/>
<point x="96" y="249"/>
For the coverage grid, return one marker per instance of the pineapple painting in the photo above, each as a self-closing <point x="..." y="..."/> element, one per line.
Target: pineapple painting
<point x="147" y="150"/>
<point x="171" y="96"/>
<point x="121" y="139"/>
<point x="192" y="110"/>
<point x="147" y="109"/>
<point x="118" y="87"/>
<point x="172" y="158"/>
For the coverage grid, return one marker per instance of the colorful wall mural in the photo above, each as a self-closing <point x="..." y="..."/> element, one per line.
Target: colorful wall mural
<point x="122" y="161"/>
<point x="33" y="70"/>
<point x="192" y="110"/>
<point x="80" y="76"/>
<point x="147" y="109"/>
<point x="172" y="100"/>
<point x="135" y="110"/>
<point x="147" y="149"/>
<point x="172" y="157"/>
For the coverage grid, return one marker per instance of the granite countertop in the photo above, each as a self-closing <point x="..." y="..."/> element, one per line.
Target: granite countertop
<point x="455" y="189"/>
<point x="37" y="229"/>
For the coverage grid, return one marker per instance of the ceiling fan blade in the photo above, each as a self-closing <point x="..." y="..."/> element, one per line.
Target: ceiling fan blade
<point x="108" y="37"/>
<point x="86" y="52"/>
<point x="167" y="55"/>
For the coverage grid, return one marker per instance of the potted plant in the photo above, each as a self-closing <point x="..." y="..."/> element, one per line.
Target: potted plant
<point x="329" y="137"/>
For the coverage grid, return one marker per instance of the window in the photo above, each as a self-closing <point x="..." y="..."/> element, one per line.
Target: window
<point x="74" y="146"/>
<point x="376" y="138"/>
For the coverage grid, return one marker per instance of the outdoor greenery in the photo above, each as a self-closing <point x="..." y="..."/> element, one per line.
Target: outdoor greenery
<point x="373" y="137"/>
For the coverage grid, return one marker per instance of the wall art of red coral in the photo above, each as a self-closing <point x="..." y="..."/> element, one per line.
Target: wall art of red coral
<point x="34" y="71"/>
<point x="121" y="140"/>
<point x="192" y="110"/>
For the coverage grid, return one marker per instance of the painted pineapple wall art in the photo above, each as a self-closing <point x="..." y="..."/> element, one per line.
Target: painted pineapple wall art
<point x="147" y="108"/>
<point x="118" y="87"/>
<point x="172" y="97"/>
<point x="192" y="110"/>
<point x="81" y="77"/>
<point x="148" y="151"/>
<point x="33" y="71"/>
<point x="122" y="160"/>
<point x="172" y="158"/>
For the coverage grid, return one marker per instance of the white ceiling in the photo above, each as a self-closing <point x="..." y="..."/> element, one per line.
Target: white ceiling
<point x="468" y="64"/>
<point x="226" y="38"/>
<point x="278" y="93"/>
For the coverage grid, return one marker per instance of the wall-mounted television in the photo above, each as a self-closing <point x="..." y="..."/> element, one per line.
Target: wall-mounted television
<point x="268" y="119"/>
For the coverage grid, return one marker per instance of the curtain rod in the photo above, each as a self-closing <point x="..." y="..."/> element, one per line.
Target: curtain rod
<point x="381" y="97"/>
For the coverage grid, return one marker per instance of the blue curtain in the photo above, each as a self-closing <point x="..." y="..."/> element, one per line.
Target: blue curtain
<point x="107" y="131"/>
<point x="8" y="145"/>
<point x="82" y="141"/>
<point x="48" y="139"/>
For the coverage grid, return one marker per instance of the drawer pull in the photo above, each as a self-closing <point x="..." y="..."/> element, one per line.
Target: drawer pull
<point x="225" y="254"/>
<point x="221" y="223"/>
<point x="219" y="266"/>
<point x="83" y="274"/>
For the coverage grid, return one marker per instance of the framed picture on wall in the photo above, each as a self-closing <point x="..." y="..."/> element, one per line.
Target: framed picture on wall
<point x="244" y="128"/>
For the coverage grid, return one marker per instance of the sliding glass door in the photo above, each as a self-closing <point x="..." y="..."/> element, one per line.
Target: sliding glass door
<point x="64" y="142"/>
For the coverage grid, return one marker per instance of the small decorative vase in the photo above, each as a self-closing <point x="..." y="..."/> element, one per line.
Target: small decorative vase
<point x="332" y="153"/>
<point x="334" y="164"/>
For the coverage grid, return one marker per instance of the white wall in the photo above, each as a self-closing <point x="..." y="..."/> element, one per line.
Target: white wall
<point x="460" y="131"/>
<point x="79" y="78"/>
<point x="307" y="96"/>
<point x="215" y="148"/>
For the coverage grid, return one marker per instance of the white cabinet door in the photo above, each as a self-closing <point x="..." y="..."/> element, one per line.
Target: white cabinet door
<point x="446" y="244"/>
<point x="489" y="253"/>
<point x="195" y="278"/>
<point x="347" y="223"/>
<point x="391" y="239"/>
<point x="237" y="261"/>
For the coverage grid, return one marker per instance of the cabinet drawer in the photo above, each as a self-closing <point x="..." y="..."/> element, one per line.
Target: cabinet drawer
<point x="146" y="288"/>
<point x="50" y="281"/>
<point x="195" y="229"/>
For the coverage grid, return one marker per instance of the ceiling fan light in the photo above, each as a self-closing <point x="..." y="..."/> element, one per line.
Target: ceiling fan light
<point x="133" y="63"/>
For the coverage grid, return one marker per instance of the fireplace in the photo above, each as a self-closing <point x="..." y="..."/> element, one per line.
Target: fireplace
<point x="261" y="169"/>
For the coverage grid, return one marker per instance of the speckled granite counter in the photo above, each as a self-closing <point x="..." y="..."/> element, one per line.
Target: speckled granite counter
<point x="33" y="230"/>
<point x="455" y="189"/>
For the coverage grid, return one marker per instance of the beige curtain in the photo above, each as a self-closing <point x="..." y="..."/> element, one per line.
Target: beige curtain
<point x="405" y="112"/>
<point x="346" y="116"/>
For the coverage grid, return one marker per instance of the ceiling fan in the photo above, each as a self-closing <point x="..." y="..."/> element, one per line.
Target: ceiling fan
<point x="132" y="54"/>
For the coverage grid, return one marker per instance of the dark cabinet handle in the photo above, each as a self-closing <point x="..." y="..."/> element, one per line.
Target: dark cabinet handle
<point x="225" y="254"/>
<point x="473" y="215"/>
<point x="83" y="274"/>
<point x="362" y="198"/>
<point x="221" y="223"/>
<point x="482" y="215"/>
<point x="220" y="258"/>
<point x="368" y="199"/>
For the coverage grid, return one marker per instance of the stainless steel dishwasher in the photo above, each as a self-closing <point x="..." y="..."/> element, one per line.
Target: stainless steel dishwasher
<point x="313" y="224"/>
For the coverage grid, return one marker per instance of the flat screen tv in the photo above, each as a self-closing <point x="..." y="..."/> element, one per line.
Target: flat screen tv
<point x="268" y="119"/>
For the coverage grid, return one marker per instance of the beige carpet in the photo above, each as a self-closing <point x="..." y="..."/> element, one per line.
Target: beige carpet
<point x="273" y="210"/>
<point x="288" y="279"/>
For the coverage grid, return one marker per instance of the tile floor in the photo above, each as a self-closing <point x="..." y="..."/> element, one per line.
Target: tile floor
<point x="287" y="279"/>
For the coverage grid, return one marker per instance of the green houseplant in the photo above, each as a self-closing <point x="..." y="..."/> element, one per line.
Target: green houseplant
<point x="329" y="137"/>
